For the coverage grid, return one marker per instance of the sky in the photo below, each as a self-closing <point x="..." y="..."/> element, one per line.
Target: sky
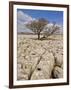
<point x="25" y="16"/>
<point x="51" y="16"/>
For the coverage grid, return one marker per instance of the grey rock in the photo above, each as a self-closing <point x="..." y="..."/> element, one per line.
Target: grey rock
<point x="35" y="59"/>
<point x="58" y="72"/>
<point x="44" y="67"/>
<point x="58" y="59"/>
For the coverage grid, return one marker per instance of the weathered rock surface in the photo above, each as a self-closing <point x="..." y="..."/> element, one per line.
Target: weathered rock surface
<point x="44" y="67"/>
<point x="58" y="72"/>
<point x="58" y="59"/>
<point x="37" y="59"/>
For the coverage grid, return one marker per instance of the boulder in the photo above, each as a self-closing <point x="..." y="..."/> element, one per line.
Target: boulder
<point x="58" y="59"/>
<point x="57" y="72"/>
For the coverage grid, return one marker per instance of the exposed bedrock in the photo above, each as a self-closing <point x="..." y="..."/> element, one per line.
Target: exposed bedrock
<point x="44" y="67"/>
<point x="57" y="72"/>
<point x="38" y="59"/>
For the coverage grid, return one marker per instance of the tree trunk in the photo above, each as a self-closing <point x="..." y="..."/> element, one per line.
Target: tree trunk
<point x="38" y="36"/>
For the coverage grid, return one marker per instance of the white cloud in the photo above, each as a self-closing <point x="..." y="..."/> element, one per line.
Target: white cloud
<point x="22" y="19"/>
<point x="50" y="26"/>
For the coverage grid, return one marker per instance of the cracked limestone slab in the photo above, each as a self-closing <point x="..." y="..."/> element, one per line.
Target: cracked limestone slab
<point x="44" y="68"/>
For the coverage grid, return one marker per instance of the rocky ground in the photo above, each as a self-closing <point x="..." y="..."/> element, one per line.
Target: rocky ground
<point x="39" y="59"/>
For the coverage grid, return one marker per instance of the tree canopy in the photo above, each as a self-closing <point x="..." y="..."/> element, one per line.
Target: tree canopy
<point x="37" y="26"/>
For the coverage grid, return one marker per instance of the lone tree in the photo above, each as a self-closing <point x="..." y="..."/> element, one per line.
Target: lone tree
<point x="37" y="26"/>
<point x="50" y="29"/>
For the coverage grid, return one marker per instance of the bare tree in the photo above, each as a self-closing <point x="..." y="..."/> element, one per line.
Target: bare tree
<point x="37" y="26"/>
<point x="50" y="30"/>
